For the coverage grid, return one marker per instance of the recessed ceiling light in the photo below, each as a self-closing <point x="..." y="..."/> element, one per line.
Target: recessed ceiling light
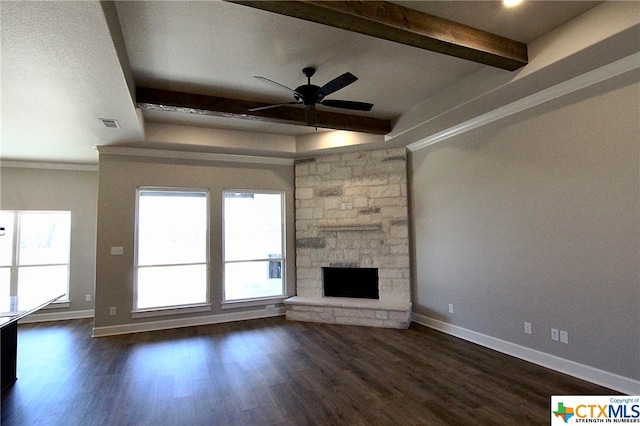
<point x="511" y="3"/>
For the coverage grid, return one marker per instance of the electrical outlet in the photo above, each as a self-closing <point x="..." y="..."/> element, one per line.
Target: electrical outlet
<point x="527" y="327"/>
<point x="87" y="298"/>
<point x="116" y="251"/>
<point x="450" y="308"/>
<point x="554" y="334"/>
<point x="564" y="337"/>
<point x="112" y="310"/>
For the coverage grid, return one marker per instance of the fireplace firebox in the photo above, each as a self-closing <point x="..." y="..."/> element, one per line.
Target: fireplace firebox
<point x="350" y="282"/>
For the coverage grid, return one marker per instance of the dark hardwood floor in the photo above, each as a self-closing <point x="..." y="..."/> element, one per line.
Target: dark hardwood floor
<point x="273" y="371"/>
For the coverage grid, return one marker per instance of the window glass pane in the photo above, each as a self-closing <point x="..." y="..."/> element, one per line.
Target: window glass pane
<point x="246" y="280"/>
<point x="252" y="226"/>
<point x="5" y="282"/>
<point x="44" y="238"/>
<point x="172" y="227"/>
<point x="171" y="286"/>
<point x="171" y="248"/>
<point x="37" y="281"/>
<point x="6" y="238"/>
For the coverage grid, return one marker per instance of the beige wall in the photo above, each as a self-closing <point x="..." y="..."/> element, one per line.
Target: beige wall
<point x="72" y="190"/>
<point x="536" y="218"/>
<point x="121" y="175"/>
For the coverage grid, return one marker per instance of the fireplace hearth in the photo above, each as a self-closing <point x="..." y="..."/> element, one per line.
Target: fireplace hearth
<point x="359" y="283"/>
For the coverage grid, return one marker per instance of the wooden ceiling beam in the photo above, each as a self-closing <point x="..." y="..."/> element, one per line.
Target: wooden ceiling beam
<point x="166" y="100"/>
<point x="407" y="26"/>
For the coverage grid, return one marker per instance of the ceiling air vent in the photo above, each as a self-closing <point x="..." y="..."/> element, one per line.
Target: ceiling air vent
<point x="110" y="123"/>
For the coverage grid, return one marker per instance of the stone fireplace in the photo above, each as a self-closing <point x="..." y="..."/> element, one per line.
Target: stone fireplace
<point x="352" y="214"/>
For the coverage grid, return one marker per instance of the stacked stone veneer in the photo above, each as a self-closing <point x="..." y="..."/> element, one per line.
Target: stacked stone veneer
<point x="352" y="210"/>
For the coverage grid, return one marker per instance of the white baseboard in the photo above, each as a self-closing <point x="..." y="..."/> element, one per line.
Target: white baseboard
<point x="57" y="316"/>
<point x="581" y="371"/>
<point x="186" y="322"/>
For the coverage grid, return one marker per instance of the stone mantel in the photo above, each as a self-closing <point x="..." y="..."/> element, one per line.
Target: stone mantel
<point x="352" y="227"/>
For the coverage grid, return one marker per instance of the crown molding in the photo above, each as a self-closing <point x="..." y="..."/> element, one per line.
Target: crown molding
<point x="193" y="156"/>
<point x="48" y="166"/>
<point x="598" y="75"/>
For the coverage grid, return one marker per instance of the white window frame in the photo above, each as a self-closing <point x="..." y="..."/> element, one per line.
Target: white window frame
<point x="173" y="309"/>
<point x="255" y="301"/>
<point x="15" y="266"/>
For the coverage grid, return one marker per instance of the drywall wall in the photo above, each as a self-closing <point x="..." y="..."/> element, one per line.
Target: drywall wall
<point x="121" y="175"/>
<point x="27" y="188"/>
<point x="536" y="218"/>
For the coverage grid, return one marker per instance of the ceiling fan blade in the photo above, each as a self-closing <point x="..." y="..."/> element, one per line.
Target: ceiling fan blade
<point x="276" y="83"/>
<point x="357" y="106"/>
<point x="273" y="106"/>
<point x="337" y="83"/>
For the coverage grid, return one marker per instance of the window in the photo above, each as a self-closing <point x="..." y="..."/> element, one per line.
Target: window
<point x="253" y="245"/>
<point x="34" y="253"/>
<point x="172" y="248"/>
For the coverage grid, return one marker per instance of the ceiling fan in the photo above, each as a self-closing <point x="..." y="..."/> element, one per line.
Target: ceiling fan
<point x="309" y="95"/>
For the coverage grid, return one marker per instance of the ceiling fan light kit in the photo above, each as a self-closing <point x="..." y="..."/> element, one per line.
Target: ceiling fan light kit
<point x="309" y="95"/>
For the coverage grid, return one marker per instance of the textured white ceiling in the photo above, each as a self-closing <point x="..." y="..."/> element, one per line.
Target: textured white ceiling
<point x="224" y="45"/>
<point x="60" y="74"/>
<point x="61" y="70"/>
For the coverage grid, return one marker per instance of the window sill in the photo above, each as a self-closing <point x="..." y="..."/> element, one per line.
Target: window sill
<point x="58" y="305"/>
<point x="232" y="304"/>
<point x="170" y="310"/>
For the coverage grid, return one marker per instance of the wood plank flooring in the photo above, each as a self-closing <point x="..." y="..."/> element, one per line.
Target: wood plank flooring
<point x="273" y="372"/>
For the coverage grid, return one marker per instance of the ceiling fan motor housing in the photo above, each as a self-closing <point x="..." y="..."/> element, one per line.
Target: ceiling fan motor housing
<point x="308" y="94"/>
